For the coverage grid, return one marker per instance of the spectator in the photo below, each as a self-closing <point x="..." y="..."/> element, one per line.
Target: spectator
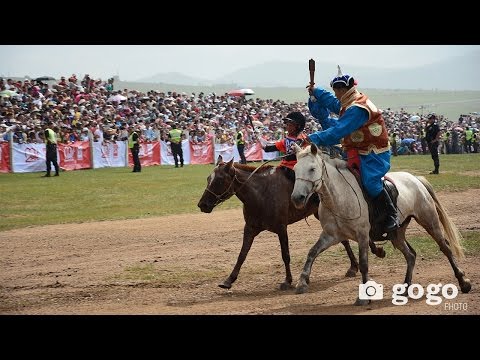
<point x="51" y="156"/>
<point x="175" y="136"/>
<point x="241" y="145"/>
<point x="134" y="146"/>
<point x="433" y="136"/>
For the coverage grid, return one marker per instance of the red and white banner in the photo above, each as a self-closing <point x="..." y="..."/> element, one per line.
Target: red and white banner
<point x="227" y="151"/>
<point x="109" y="154"/>
<point x="254" y="152"/>
<point x="166" y="153"/>
<point x="149" y="154"/>
<point x="202" y="153"/>
<point x="4" y="157"/>
<point x="29" y="158"/>
<point x="75" y="156"/>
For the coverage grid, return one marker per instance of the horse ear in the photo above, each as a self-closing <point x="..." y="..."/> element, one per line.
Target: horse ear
<point x="229" y="165"/>
<point x="314" y="149"/>
<point x="219" y="159"/>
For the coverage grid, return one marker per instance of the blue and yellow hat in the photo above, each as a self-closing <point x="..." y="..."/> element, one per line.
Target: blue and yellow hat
<point x="342" y="79"/>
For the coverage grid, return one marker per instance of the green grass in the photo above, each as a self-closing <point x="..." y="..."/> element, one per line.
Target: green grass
<point x="28" y="199"/>
<point x="425" y="247"/>
<point x="149" y="274"/>
<point x="458" y="172"/>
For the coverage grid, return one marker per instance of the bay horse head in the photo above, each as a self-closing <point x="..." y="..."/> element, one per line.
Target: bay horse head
<point x="219" y="185"/>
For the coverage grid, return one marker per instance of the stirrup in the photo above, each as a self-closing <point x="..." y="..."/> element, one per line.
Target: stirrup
<point x="394" y="227"/>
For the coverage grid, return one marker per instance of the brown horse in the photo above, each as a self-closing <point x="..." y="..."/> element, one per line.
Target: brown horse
<point x="265" y="193"/>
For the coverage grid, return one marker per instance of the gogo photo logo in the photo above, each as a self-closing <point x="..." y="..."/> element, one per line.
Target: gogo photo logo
<point x="401" y="293"/>
<point x="416" y="291"/>
<point x="370" y="291"/>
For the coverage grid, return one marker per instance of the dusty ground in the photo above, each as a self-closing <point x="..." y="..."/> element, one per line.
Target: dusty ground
<point x="172" y="265"/>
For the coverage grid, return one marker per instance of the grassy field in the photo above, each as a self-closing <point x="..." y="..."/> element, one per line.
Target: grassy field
<point x="117" y="193"/>
<point x="448" y="103"/>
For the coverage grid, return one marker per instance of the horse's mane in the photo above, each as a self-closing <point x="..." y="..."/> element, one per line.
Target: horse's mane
<point x="336" y="162"/>
<point x="250" y="168"/>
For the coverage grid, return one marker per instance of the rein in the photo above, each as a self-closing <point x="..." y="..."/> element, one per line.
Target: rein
<point x="219" y="198"/>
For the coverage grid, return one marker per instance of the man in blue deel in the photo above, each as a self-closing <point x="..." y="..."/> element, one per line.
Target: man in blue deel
<point x="361" y="130"/>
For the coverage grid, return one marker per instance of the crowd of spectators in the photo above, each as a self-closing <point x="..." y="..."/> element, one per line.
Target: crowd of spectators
<point x="87" y="108"/>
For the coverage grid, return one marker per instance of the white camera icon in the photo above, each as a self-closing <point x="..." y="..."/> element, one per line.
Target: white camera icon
<point x="370" y="291"/>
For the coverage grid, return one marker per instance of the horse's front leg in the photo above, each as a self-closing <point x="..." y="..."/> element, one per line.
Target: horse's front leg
<point x="249" y="234"/>
<point x="363" y="258"/>
<point x="283" y="237"/>
<point x="323" y="243"/>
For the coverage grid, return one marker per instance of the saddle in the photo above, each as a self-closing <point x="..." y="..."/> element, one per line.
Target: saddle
<point x="377" y="217"/>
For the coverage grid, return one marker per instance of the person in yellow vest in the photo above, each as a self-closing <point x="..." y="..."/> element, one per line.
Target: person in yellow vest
<point x="241" y="145"/>
<point x="468" y="139"/>
<point x="175" y="136"/>
<point x="393" y="143"/>
<point x="51" y="143"/>
<point x="134" y="146"/>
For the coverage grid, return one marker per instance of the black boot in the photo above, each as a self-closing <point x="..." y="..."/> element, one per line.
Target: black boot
<point x="384" y="204"/>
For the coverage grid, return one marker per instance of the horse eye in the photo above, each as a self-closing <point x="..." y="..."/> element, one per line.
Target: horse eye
<point x="312" y="169"/>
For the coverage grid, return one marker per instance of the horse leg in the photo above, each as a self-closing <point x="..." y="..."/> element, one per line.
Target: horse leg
<point x="353" y="260"/>
<point x="376" y="250"/>
<point x="323" y="243"/>
<point x="436" y="233"/>
<point x="434" y="229"/>
<point x="283" y="237"/>
<point x="249" y="234"/>
<point x="363" y="243"/>
<point x="408" y="252"/>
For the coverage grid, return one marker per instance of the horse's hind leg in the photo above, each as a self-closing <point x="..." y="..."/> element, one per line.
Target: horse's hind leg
<point x="436" y="233"/>
<point x="249" y="234"/>
<point x="353" y="260"/>
<point x="408" y="252"/>
<point x="283" y="237"/>
<point x="323" y="243"/>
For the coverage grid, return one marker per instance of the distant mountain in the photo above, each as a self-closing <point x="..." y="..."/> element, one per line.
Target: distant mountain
<point x="458" y="73"/>
<point x="174" y="78"/>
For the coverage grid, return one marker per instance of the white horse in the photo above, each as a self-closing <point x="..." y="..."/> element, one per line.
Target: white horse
<point x="343" y="213"/>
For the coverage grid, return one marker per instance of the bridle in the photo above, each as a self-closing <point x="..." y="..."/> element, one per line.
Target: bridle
<point x="222" y="197"/>
<point x="315" y="182"/>
<point x="321" y="182"/>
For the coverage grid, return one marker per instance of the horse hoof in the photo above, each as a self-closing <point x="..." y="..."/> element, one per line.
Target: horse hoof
<point x="301" y="289"/>
<point x="351" y="273"/>
<point x="364" y="302"/>
<point x="466" y="286"/>
<point x="285" y="286"/>
<point x="225" y="286"/>
<point x="380" y="252"/>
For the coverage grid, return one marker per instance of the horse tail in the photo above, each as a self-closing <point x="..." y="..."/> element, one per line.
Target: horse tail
<point x="452" y="234"/>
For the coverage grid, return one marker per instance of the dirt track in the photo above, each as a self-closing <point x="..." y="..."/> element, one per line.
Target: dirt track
<point x="172" y="265"/>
